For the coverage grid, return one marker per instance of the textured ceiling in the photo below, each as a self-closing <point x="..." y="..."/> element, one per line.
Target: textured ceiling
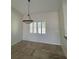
<point x="36" y="6"/>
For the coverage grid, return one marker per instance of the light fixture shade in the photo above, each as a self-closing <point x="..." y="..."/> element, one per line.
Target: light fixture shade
<point x="28" y="20"/>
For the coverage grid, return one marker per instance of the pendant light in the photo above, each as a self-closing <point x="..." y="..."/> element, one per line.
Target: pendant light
<point x="28" y="20"/>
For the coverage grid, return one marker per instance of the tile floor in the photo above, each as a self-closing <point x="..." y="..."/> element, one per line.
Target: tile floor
<point x="33" y="50"/>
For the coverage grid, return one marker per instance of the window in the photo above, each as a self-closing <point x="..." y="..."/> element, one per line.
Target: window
<point x="35" y="27"/>
<point x="38" y="27"/>
<point x="43" y="27"/>
<point x="31" y="28"/>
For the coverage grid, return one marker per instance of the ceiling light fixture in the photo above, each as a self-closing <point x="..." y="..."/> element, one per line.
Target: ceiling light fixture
<point x="28" y="20"/>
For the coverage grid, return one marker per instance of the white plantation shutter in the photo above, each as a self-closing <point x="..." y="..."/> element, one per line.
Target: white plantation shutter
<point x="38" y="27"/>
<point x="31" y="28"/>
<point x="43" y="27"/>
<point x="35" y="27"/>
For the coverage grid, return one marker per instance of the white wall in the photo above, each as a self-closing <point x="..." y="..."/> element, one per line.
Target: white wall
<point x="52" y="29"/>
<point x="64" y="6"/>
<point x="16" y="27"/>
<point x="63" y="25"/>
